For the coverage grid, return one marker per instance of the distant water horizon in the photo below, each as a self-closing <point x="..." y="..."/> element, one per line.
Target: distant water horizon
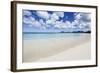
<point x="54" y="32"/>
<point x="30" y="36"/>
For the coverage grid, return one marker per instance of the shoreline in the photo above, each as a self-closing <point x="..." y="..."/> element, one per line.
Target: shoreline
<point x="53" y="32"/>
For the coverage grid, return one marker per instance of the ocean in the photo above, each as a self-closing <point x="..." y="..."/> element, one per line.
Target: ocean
<point x="30" y="36"/>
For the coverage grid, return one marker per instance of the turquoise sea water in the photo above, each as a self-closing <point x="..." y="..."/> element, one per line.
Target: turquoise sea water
<point x="28" y="36"/>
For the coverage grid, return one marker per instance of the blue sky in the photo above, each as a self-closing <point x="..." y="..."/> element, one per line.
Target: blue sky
<point x="55" y="21"/>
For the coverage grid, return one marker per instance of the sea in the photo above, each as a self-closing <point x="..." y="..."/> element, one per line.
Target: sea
<point x="30" y="36"/>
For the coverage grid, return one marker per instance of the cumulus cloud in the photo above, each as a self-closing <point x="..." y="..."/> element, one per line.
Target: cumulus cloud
<point x="31" y="21"/>
<point x="51" y="19"/>
<point x="42" y="22"/>
<point x="28" y="20"/>
<point x="50" y="22"/>
<point x="54" y="16"/>
<point x="68" y="24"/>
<point x="26" y="12"/>
<point x="36" y="24"/>
<point x="62" y="25"/>
<point x="86" y="17"/>
<point x="82" y="21"/>
<point x="60" y="14"/>
<point x="58" y="24"/>
<point x="43" y="14"/>
<point x="77" y="16"/>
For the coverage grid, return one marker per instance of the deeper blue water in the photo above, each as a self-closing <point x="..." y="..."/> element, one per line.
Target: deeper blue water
<point x="46" y="36"/>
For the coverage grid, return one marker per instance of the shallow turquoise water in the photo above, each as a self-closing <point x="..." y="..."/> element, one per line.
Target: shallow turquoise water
<point x="45" y="36"/>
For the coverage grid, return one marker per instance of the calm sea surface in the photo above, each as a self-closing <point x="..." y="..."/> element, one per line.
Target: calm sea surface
<point x="29" y="36"/>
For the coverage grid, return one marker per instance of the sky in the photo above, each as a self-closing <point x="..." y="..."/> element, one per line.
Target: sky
<point x="55" y="21"/>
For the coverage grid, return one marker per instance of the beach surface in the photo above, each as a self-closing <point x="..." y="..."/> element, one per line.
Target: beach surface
<point x="57" y="48"/>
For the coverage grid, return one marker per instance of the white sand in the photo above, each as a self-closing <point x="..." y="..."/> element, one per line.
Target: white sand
<point x="81" y="52"/>
<point x="57" y="49"/>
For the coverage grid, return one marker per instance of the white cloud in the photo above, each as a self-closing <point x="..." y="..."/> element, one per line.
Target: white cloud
<point x="57" y="26"/>
<point x="54" y="16"/>
<point x="83" y="17"/>
<point x="86" y="17"/>
<point x="68" y="24"/>
<point x="51" y="19"/>
<point x="36" y="24"/>
<point x="51" y="22"/>
<point x="32" y="22"/>
<point x="43" y="14"/>
<point x="42" y="22"/>
<point x="64" y="26"/>
<point x="28" y="20"/>
<point x="60" y="25"/>
<point x="60" y="14"/>
<point x="77" y="16"/>
<point x="26" y="12"/>
<point x="31" y="18"/>
<point x="82" y="21"/>
<point x="75" y="23"/>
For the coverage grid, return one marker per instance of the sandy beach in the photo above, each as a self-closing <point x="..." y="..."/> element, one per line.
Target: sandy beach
<point x="57" y="49"/>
